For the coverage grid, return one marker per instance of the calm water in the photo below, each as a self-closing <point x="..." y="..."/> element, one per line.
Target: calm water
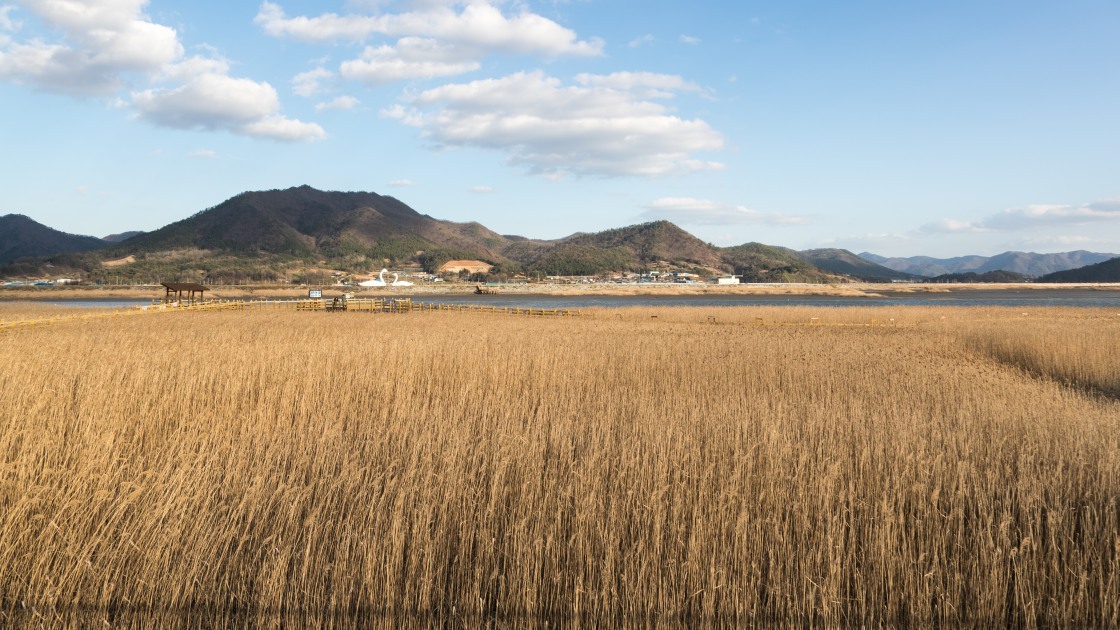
<point x="1058" y="297"/>
<point x="1007" y="297"/>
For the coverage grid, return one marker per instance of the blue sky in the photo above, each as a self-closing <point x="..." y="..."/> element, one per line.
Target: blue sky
<point x="901" y="128"/>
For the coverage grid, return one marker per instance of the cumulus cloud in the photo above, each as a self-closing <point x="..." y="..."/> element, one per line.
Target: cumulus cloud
<point x="310" y="83"/>
<point x="410" y="58"/>
<point x="555" y="129"/>
<point x="434" y="38"/>
<point x="642" y="41"/>
<point x="479" y="25"/>
<point x="689" y="39"/>
<point x="104" y="44"/>
<point x="213" y="100"/>
<point x="640" y="84"/>
<point x="340" y="102"/>
<point x="101" y="40"/>
<point x="690" y="211"/>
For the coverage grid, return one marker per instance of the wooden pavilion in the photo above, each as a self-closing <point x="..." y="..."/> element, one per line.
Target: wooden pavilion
<point x="176" y="291"/>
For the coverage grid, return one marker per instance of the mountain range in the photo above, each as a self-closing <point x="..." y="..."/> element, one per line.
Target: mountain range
<point x="1026" y="263"/>
<point x="304" y="234"/>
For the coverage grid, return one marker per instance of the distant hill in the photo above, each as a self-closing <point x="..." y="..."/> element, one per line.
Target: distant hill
<point x="756" y="262"/>
<point x="305" y="222"/>
<point x="844" y="262"/>
<point x="123" y="236"/>
<point x="1026" y="263"/>
<point x="988" y="276"/>
<point x="306" y="234"/>
<point x="631" y="248"/>
<point x="1107" y="271"/>
<point x="22" y="237"/>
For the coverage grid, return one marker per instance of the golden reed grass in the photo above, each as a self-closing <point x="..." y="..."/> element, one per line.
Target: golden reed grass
<point x="636" y="466"/>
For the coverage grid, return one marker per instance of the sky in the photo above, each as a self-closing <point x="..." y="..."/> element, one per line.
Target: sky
<point x="938" y="128"/>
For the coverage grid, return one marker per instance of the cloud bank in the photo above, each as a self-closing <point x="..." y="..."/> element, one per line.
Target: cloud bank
<point x="1031" y="217"/>
<point x="603" y="126"/>
<point x="433" y="39"/>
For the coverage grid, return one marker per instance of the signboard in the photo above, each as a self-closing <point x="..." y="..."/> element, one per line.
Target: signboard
<point x="315" y="293"/>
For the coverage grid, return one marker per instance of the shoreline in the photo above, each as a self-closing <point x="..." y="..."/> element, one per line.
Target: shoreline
<point x="854" y="290"/>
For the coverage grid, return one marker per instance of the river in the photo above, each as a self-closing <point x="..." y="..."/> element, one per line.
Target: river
<point x="973" y="297"/>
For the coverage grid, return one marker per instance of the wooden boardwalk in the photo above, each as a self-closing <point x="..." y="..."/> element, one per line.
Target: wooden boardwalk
<point x="407" y="305"/>
<point x="359" y="305"/>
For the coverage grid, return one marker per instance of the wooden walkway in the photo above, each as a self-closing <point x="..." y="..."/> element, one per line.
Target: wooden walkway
<point x="406" y="305"/>
<point x="367" y="305"/>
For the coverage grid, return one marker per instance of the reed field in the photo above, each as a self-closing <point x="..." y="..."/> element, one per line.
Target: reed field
<point x="698" y="466"/>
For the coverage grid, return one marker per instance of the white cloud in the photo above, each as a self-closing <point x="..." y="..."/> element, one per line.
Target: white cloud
<point x="340" y="102"/>
<point x="401" y="183"/>
<point x="310" y="83"/>
<point x="1032" y="216"/>
<point x="555" y="129"/>
<point x="325" y="28"/>
<point x="690" y="40"/>
<point x="690" y="211"/>
<point x="191" y="67"/>
<point x="101" y="41"/>
<point x="205" y="154"/>
<point x="1049" y="215"/>
<point x="482" y="190"/>
<point x="951" y="226"/>
<point x="436" y="39"/>
<point x="215" y="101"/>
<point x="479" y="26"/>
<point x="640" y="84"/>
<point x="642" y="41"/>
<point x="1059" y="240"/>
<point x="106" y="43"/>
<point x="276" y="127"/>
<point x="1020" y="226"/>
<point x="411" y="58"/>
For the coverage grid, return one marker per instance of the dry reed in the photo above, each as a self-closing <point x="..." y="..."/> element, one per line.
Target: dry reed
<point x="338" y="469"/>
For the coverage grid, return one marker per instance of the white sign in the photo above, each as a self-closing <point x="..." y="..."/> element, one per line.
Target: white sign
<point x="315" y="293"/>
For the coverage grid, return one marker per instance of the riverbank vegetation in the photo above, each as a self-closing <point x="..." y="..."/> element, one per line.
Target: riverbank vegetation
<point x="801" y="465"/>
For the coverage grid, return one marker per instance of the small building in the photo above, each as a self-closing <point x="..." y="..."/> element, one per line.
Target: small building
<point x="176" y="290"/>
<point x="470" y="266"/>
<point x="728" y="280"/>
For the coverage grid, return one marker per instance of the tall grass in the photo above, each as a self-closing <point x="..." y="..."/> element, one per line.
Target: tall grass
<point x="337" y="469"/>
<point x="1078" y="354"/>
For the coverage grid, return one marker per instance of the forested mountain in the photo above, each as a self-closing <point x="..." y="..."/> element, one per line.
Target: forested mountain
<point x="844" y="262"/>
<point x="1107" y="271"/>
<point x="21" y="237"/>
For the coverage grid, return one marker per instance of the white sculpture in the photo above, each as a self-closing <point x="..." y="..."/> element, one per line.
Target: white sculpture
<point x="379" y="282"/>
